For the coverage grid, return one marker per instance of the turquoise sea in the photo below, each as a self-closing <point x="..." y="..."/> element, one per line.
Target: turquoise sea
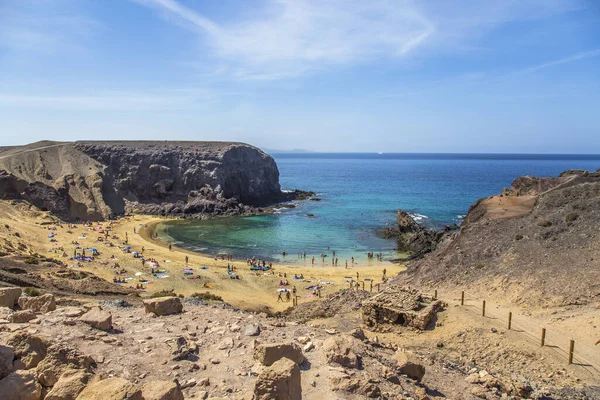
<point x="361" y="193"/>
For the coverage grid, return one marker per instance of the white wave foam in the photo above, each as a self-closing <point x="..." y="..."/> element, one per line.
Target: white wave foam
<point x="418" y="217"/>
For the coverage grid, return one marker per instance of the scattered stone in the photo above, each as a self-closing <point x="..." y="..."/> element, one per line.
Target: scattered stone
<point x="69" y="385"/>
<point x="21" y="385"/>
<point x="111" y="389"/>
<point x="97" y="318"/>
<point x="308" y="347"/>
<point x="252" y="330"/>
<point x="163" y="306"/>
<point x="162" y="390"/>
<point x="280" y="381"/>
<point x="226" y="343"/>
<point x="340" y="350"/>
<point x="184" y="350"/>
<point x="58" y="361"/>
<point x="28" y="348"/>
<point x="267" y="354"/>
<point x="204" y="381"/>
<point x="7" y="356"/>
<point x="302" y="339"/>
<point x="409" y="365"/>
<point x="202" y="395"/>
<point x="9" y="296"/>
<point x="41" y="304"/>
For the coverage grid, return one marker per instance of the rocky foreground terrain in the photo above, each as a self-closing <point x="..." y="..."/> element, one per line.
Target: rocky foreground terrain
<point x="537" y="244"/>
<point x="169" y="348"/>
<point x="98" y="180"/>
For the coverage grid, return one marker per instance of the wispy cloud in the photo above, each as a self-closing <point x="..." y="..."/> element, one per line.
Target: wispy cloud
<point x="47" y="26"/>
<point x="175" y="99"/>
<point x="290" y="38"/>
<point x="565" y="60"/>
<point x="287" y="38"/>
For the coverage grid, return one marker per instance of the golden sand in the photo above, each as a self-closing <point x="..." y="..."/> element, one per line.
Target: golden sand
<point x="253" y="290"/>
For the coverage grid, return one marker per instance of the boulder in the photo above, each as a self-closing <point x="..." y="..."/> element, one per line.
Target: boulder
<point x="21" y="317"/>
<point x="20" y="385"/>
<point x="267" y="354"/>
<point x="9" y="296"/>
<point x="111" y="389"/>
<point x="29" y="349"/>
<point x="7" y="356"/>
<point x="58" y="361"/>
<point x="69" y="385"/>
<point x="97" y="318"/>
<point x="280" y="381"/>
<point x="252" y="330"/>
<point x="41" y="304"/>
<point x="163" y="305"/>
<point x="162" y="390"/>
<point x="340" y="350"/>
<point x="409" y="365"/>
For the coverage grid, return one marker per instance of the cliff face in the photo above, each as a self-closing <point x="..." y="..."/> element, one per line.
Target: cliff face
<point x="94" y="180"/>
<point x="538" y="244"/>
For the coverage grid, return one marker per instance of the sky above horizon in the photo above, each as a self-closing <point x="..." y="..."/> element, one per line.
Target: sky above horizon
<point x="514" y="76"/>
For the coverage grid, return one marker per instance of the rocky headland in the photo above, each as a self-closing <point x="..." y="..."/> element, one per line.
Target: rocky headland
<point x="90" y="180"/>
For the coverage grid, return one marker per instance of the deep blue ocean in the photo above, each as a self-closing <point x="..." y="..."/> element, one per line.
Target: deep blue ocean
<point x="361" y="193"/>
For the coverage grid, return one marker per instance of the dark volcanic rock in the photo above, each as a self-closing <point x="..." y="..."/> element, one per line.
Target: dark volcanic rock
<point x="96" y="180"/>
<point x="414" y="238"/>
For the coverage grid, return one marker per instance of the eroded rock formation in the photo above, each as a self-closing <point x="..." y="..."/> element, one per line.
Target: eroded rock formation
<point x="97" y="180"/>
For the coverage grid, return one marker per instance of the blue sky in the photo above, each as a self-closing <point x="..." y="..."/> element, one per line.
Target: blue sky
<point x="326" y="75"/>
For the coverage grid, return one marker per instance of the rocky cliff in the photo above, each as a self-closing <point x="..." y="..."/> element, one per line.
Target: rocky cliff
<point x="97" y="180"/>
<point x="537" y="243"/>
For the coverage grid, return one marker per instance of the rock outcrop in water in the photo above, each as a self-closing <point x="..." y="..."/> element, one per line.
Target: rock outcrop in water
<point x="97" y="180"/>
<point x="413" y="238"/>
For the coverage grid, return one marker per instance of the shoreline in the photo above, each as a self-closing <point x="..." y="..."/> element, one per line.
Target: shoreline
<point x="150" y="228"/>
<point x="254" y="290"/>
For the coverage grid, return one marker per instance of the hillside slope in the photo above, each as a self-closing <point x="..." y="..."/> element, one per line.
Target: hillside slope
<point x="537" y="244"/>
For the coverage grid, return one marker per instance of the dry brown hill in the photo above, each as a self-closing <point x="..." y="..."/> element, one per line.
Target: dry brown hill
<point x="537" y="244"/>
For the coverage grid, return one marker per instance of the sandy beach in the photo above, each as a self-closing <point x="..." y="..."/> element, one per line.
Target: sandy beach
<point x="255" y="290"/>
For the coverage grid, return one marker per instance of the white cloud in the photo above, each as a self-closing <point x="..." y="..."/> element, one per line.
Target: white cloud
<point x="293" y="37"/>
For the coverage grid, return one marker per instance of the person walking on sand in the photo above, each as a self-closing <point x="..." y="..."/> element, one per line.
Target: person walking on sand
<point x="279" y="298"/>
<point x="287" y="296"/>
<point x="313" y="261"/>
<point x="186" y="260"/>
<point x="384" y="272"/>
<point x="357" y="276"/>
<point x="170" y="247"/>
